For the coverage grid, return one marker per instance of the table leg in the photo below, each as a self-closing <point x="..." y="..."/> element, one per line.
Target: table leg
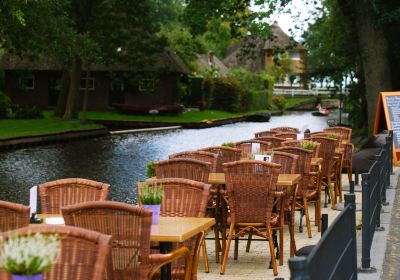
<point x="165" y="248"/>
<point x="223" y="224"/>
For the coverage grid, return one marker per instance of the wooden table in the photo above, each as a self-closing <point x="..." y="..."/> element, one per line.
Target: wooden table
<point x="283" y="179"/>
<point x="168" y="231"/>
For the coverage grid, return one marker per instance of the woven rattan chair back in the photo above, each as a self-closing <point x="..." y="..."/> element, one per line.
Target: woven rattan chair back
<point x="183" y="168"/>
<point x="13" y="216"/>
<point x="225" y="154"/>
<point x="56" y="194"/>
<point x="285" y="129"/>
<point x="297" y="143"/>
<point x="304" y="158"/>
<point x="247" y="147"/>
<point x="199" y="155"/>
<point x="327" y="152"/>
<point x="129" y="227"/>
<point x="265" y="133"/>
<point x="287" y="135"/>
<point x="345" y="132"/>
<point x="275" y="141"/>
<point x="287" y="161"/>
<point x="250" y="188"/>
<point x="84" y="253"/>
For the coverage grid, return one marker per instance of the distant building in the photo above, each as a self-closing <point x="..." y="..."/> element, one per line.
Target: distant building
<point x="37" y="83"/>
<point x="210" y="61"/>
<point x="266" y="51"/>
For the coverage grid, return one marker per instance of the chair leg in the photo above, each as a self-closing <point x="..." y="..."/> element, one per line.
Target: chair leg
<point x="236" y="249"/>
<point x="249" y="241"/>
<point x="332" y="194"/>
<point x="205" y="257"/>
<point x="305" y="203"/>
<point x="227" y="246"/>
<point x="217" y="244"/>
<point x="292" y="240"/>
<point x="281" y="246"/>
<point x="301" y="219"/>
<point x="350" y="172"/>
<point x="272" y="250"/>
<point x="318" y="211"/>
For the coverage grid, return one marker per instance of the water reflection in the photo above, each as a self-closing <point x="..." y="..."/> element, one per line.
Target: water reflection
<point x="121" y="160"/>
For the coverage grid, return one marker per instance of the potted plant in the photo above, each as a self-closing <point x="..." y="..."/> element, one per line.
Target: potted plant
<point x="151" y="169"/>
<point x="151" y="198"/>
<point x="308" y="145"/>
<point x="28" y="257"/>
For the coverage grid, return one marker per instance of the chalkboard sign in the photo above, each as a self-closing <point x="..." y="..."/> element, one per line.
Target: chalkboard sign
<point x="388" y="117"/>
<point x="393" y="105"/>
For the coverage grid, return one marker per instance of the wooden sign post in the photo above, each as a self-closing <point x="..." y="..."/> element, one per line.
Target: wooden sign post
<point x="388" y="117"/>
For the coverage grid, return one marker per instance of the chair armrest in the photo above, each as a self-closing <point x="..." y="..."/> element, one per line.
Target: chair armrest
<point x="159" y="260"/>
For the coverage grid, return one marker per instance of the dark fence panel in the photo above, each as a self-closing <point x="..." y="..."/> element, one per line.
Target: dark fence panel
<point x="335" y="255"/>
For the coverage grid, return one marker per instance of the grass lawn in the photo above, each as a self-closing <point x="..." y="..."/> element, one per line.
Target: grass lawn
<point x="14" y="128"/>
<point x="192" y="116"/>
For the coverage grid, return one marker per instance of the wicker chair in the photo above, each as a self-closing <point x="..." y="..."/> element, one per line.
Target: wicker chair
<point x="13" y="216"/>
<point x="285" y="129"/>
<point x="345" y="133"/>
<point x="329" y="166"/>
<point x="84" y="253"/>
<point x="297" y="143"/>
<point x="306" y="192"/>
<point x="288" y="163"/>
<point x="265" y="133"/>
<point x="183" y="168"/>
<point x="251" y="194"/>
<point x="130" y="228"/>
<point x="199" y="155"/>
<point x="56" y="194"/>
<point x="225" y="154"/>
<point x="184" y="198"/>
<point x="275" y="141"/>
<point x="287" y="135"/>
<point x="247" y="145"/>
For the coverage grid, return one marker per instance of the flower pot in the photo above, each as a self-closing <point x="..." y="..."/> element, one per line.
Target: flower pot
<point x="156" y="212"/>
<point x="27" y="277"/>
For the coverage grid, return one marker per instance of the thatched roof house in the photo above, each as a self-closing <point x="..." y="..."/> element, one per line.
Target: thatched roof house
<point x="263" y="51"/>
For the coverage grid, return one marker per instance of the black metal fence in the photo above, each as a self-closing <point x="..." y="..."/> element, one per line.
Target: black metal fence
<point x="374" y="185"/>
<point x="335" y="255"/>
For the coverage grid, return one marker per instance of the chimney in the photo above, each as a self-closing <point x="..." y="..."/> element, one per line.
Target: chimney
<point x="275" y="23"/>
<point x="211" y="58"/>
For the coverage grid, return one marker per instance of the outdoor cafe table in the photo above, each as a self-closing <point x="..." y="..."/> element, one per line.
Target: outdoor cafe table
<point x="169" y="230"/>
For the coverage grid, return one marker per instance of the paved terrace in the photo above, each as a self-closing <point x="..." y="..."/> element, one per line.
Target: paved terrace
<point x="254" y="265"/>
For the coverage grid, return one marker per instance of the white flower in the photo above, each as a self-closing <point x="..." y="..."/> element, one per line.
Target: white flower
<point x="29" y="255"/>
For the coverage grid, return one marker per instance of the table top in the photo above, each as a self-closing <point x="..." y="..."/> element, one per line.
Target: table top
<point x="168" y="229"/>
<point x="283" y="179"/>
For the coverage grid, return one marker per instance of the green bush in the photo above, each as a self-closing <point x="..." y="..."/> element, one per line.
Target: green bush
<point x="151" y="169"/>
<point x="5" y="104"/>
<point x="279" y="102"/>
<point x="28" y="113"/>
<point x="226" y="95"/>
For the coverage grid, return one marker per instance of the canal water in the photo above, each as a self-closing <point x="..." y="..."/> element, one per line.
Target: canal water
<point x="121" y="160"/>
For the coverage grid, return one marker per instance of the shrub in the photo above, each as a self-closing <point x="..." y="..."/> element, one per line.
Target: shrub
<point x="226" y="95"/>
<point x="279" y="102"/>
<point x="28" y="113"/>
<point x="151" y="169"/>
<point x="5" y="104"/>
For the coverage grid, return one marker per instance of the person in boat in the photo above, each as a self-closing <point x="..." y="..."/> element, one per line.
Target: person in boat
<point x="322" y="110"/>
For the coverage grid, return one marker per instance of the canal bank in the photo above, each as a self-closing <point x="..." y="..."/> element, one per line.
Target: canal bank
<point x="128" y="125"/>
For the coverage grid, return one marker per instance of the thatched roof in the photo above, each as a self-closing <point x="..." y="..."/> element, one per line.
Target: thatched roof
<point x="167" y="60"/>
<point x="278" y="41"/>
<point x="206" y="61"/>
